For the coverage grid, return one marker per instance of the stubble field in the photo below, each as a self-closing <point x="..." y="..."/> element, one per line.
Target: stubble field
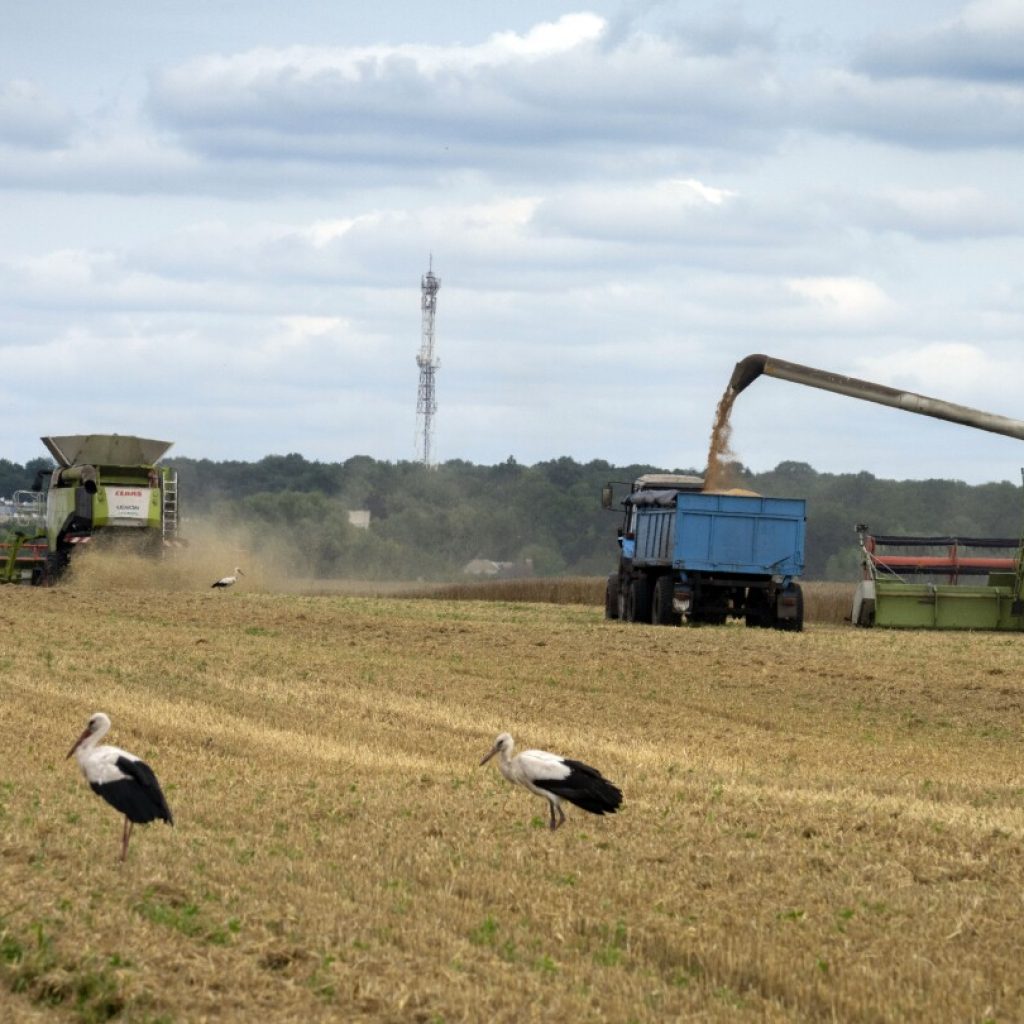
<point x="817" y="826"/>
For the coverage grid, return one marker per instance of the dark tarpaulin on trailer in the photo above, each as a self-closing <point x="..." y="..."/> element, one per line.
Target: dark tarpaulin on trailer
<point x="653" y="499"/>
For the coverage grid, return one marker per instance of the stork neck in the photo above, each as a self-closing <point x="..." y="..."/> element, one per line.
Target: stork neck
<point x="89" y="744"/>
<point x="505" y="762"/>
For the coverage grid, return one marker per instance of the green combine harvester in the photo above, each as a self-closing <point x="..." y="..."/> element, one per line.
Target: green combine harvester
<point x="920" y="582"/>
<point x="106" y="489"/>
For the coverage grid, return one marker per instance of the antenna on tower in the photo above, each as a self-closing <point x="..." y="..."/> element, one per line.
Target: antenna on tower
<point x="426" y="400"/>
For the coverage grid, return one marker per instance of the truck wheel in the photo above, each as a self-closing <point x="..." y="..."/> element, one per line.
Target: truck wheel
<point x="663" y="613"/>
<point x="640" y="604"/>
<point x="796" y="623"/>
<point x="759" y="611"/>
<point x="611" y="597"/>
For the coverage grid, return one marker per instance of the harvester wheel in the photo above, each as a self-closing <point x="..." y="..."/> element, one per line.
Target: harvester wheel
<point x="56" y="563"/>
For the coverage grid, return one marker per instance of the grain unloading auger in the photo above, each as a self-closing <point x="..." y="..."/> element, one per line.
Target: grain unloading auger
<point x="884" y="597"/>
<point x="749" y="369"/>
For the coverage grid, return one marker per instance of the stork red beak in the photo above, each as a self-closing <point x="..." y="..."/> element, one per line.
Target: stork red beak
<point x="78" y="742"/>
<point x="494" y="750"/>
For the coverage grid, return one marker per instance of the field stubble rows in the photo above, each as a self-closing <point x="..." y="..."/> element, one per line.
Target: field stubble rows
<point x="824" y="825"/>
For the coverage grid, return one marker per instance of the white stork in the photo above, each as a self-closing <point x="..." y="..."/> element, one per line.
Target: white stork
<point x="228" y="581"/>
<point x="556" y="779"/>
<point x="123" y="780"/>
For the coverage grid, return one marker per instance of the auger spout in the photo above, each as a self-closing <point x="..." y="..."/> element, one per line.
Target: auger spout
<point x="749" y="369"/>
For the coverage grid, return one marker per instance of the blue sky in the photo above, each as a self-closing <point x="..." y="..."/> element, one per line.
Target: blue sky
<point x="216" y="216"/>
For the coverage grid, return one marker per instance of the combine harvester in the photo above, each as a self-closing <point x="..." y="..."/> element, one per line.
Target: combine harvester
<point x="105" y="489"/>
<point x="885" y="596"/>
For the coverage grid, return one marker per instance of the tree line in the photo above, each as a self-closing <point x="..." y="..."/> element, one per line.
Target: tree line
<point x="429" y="523"/>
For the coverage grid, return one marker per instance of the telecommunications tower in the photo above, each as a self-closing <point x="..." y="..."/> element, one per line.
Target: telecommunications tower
<point x="426" y="401"/>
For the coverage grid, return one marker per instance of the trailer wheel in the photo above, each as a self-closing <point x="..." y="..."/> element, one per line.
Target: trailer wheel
<point x="611" y="597"/>
<point x="796" y="623"/>
<point x="640" y="600"/>
<point x="663" y="614"/>
<point x="759" y="609"/>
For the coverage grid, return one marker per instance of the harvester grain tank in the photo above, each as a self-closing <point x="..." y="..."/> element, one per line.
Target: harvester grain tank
<point x="105" y="488"/>
<point x="902" y="589"/>
<point x="704" y="557"/>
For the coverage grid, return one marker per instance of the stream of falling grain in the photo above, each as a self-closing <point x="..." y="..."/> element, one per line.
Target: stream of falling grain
<point x="720" y="454"/>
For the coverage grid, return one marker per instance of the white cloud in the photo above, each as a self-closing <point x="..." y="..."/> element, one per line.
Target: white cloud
<point x="553" y="89"/>
<point x="842" y="298"/>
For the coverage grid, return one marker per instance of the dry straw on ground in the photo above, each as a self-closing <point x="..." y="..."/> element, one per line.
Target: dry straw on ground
<point x="817" y="826"/>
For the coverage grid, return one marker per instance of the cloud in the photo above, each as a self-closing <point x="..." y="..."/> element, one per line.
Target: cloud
<point x="957" y="212"/>
<point x="842" y="298"/>
<point x="917" y="112"/>
<point x="552" y="90"/>
<point x="955" y="85"/>
<point x="985" y="44"/>
<point x="655" y="211"/>
<point x="30" y="119"/>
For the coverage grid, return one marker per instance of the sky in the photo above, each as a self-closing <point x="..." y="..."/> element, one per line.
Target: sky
<point x="215" y="216"/>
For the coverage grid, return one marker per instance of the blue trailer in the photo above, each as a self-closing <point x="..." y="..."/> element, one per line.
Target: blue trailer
<point x="700" y="557"/>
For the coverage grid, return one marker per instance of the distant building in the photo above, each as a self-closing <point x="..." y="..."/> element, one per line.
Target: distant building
<point x="359" y="517"/>
<point x="488" y="569"/>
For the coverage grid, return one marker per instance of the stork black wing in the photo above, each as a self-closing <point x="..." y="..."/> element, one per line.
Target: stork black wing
<point x="586" y="787"/>
<point x="138" y="795"/>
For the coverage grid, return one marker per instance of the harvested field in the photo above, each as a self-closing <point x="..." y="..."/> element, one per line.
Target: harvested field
<point x="817" y="826"/>
<point x="823" y="602"/>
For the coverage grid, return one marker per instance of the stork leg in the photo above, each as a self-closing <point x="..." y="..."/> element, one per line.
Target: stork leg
<point x="126" y="835"/>
<point x="554" y="805"/>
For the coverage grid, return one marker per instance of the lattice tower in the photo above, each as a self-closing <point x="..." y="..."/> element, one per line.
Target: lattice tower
<point x="426" y="400"/>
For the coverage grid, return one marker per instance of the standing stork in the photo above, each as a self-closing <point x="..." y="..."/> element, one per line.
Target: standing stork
<point x="125" y="781"/>
<point x="556" y="779"/>
<point x="228" y="581"/>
